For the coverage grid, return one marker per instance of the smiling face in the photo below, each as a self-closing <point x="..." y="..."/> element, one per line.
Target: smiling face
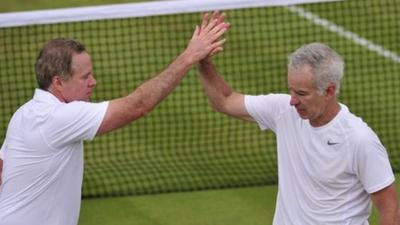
<point x="319" y="108"/>
<point x="80" y="85"/>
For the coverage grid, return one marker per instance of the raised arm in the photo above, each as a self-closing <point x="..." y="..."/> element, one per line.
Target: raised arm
<point x="121" y="111"/>
<point x="387" y="204"/>
<point x="220" y="95"/>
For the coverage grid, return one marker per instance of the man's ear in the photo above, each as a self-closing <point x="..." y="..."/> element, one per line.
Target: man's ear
<point x="56" y="82"/>
<point x="331" y="90"/>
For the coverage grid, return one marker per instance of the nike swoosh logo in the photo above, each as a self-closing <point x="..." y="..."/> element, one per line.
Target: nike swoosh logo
<point x="333" y="143"/>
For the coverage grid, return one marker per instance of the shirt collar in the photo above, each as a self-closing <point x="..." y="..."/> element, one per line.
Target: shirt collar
<point x="46" y="96"/>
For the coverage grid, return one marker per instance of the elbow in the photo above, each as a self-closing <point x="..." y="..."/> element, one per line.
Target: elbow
<point x="219" y="107"/>
<point x="137" y="106"/>
<point x="222" y="103"/>
<point x="120" y="113"/>
<point x="139" y="110"/>
<point x="142" y="103"/>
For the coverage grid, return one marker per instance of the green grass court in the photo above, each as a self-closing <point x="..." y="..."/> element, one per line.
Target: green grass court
<point x="184" y="163"/>
<point x="241" y="206"/>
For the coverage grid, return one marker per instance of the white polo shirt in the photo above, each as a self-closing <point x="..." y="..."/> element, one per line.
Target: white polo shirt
<point x="43" y="160"/>
<point x="325" y="173"/>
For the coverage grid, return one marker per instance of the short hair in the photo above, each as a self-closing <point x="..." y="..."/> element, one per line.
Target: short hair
<point x="55" y="58"/>
<point x="327" y="66"/>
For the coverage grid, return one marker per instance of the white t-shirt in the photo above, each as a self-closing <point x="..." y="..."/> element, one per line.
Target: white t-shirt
<point x="325" y="173"/>
<point x="43" y="160"/>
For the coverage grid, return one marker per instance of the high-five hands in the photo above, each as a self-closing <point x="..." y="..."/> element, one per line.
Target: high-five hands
<point x="219" y="18"/>
<point x="206" y="40"/>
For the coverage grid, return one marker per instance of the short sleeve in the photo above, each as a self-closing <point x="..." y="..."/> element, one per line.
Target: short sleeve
<point x="266" y="109"/>
<point x="74" y="122"/>
<point x="373" y="165"/>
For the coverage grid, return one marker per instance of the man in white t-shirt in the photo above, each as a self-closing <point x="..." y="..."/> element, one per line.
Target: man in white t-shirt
<point x="330" y="163"/>
<point x="43" y="148"/>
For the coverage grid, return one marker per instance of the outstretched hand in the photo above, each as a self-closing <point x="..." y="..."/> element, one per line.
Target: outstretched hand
<point x="219" y="18"/>
<point x="206" y="40"/>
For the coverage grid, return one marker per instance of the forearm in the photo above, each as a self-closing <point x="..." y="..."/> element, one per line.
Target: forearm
<point x="146" y="97"/>
<point x="215" y="87"/>
<point x="152" y="92"/>
<point x="387" y="205"/>
<point x="397" y="220"/>
<point x="388" y="218"/>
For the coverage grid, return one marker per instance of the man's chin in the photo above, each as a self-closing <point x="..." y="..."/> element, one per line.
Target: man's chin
<point x="302" y="114"/>
<point x="303" y="117"/>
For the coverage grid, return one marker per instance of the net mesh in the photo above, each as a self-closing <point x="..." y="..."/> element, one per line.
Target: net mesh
<point x="183" y="145"/>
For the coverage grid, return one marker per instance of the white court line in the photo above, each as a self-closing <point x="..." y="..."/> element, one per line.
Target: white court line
<point x="380" y="50"/>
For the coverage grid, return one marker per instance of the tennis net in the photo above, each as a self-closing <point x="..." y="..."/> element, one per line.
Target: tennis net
<point x="183" y="145"/>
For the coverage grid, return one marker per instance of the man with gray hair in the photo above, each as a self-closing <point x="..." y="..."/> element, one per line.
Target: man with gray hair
<point x="330" y="163"/>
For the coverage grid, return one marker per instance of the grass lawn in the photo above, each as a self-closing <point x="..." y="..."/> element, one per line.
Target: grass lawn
<point x="253" y="205"/>
<point x="241" y="206"/>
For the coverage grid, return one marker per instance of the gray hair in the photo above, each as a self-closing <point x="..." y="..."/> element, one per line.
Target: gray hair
<point x="55" y="59"/>
<point x="327" y="66"/>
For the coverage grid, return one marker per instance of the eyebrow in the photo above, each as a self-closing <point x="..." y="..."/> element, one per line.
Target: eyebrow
<point x="301" y="91"/>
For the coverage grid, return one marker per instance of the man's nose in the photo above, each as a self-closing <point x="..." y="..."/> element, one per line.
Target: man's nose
<point x="93" y="82"/>
<point x="294" y="100"/>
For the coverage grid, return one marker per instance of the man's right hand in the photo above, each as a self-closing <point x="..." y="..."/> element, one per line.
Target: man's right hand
<point x="206" y="40"/>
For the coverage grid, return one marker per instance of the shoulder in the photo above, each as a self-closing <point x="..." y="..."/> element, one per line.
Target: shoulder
<point x="274" y="99"/>
<point x="74" y="121"/>
<point x="279" y="96"/>
<point x="359" y="134"/>
<point x="20" y="113"/>
<point x="267" y="109"/>
<point x="357" y="127"/>
<point x="273" y="104"/>
<point x="77" y="110"/>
